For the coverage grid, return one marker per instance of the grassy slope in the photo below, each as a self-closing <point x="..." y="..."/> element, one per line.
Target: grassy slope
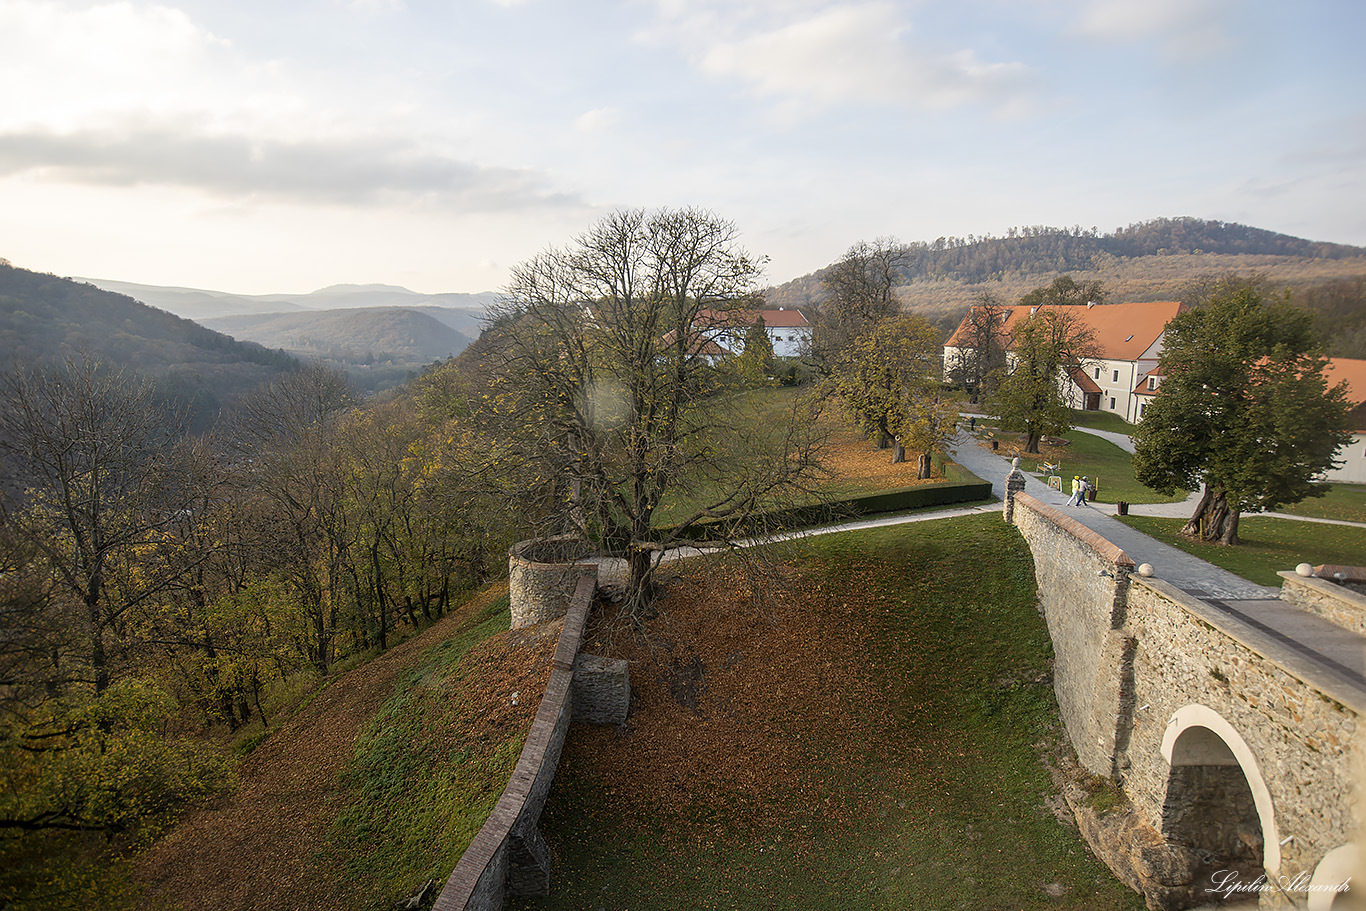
<point x="943" y="809"/>
<point x="1346" y="502"/>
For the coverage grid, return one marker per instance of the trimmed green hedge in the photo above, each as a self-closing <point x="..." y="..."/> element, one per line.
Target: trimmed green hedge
<point x="921" y="497"/>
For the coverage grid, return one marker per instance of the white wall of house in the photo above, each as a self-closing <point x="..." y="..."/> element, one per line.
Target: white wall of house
<point x="1353" y="458"/>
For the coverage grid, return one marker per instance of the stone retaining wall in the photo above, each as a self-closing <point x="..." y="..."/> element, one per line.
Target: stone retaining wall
<point x="1082" y="581"/>
<point x="508" y="854"/>
<point x="1334" y="603"/>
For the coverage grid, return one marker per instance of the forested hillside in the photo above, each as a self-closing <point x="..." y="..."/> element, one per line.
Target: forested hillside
<point x="46" y="317"/>
<point x="1158" y="260"/>
<point x="374" y="335"/>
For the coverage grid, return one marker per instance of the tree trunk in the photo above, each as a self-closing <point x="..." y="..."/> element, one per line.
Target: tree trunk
<point x="1230" y="536"/>
<point x="1032" y="442"/>
<point x="926" y="469"/>
<point x="898" y="451"/>
<point x="1214" y="520"/>
<point x="640" y="583"/>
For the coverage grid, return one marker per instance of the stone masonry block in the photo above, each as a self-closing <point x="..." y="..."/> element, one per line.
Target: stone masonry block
<point x="602" y="690"/>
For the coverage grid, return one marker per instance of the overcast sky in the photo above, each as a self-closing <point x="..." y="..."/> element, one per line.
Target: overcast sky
<point x="282" y="145"/>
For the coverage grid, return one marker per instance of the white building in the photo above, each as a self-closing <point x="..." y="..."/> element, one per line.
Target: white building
<point x="1353" y="455"/>
<point x="1129" y="341"/>
<point x="788" y="331"/>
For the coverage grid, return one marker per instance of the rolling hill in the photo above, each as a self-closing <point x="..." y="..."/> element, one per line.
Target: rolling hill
<point x="1157" y="260"/>
<point x="45" y="317"/>
<point x="366" y="336"/>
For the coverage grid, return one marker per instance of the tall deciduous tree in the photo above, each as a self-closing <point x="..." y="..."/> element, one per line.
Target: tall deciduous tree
<point x="888" y="380"/>
<point x="1033" y="390"/>
<point x="981" y="347"/>
<point x="619" y="397"/>
<point x="1066" y="291"/>
<point x="1243" y="408"/>
<point x="89" y="460"/>
<point x="861" y="292"/>
<point x="756" y="361"/>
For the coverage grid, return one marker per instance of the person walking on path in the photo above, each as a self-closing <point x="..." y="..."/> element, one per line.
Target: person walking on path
<point x="1076" y="491"/>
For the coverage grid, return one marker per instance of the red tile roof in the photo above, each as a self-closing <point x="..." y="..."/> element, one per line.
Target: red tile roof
<point x="1123" y="331"/>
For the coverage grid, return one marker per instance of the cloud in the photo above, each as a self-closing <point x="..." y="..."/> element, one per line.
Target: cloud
<point x="829" y="55"/>
<point x="1186" y="29"/>
<point x="350" y="172"/>
<point x="597" y="120"/>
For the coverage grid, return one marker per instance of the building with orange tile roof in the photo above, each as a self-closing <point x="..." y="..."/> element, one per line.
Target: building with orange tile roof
<point x="1129" y="340"/>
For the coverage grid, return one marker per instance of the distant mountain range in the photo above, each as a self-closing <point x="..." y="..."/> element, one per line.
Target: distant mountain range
<point x="378" y="333"/>
<point x="199" y="305"/>
<point x="370" y="335"/>
<point x="44" y="317"/>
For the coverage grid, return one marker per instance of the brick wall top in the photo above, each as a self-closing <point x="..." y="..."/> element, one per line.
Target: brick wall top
<point x="1103" y="548"/>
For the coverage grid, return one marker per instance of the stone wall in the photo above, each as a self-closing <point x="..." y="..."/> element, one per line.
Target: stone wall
<point x="1335" y="603"/>
<point x="508" y="853"/>
<point x="1227" y="753"/>
<point x="1082" y="579"/>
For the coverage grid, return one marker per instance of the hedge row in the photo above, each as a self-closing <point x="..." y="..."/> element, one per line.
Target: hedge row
<point x="921" y="497"/>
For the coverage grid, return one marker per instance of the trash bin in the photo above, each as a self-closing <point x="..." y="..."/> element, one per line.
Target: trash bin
<point x="1123" y="508"/>
<point x="995" y="444"/>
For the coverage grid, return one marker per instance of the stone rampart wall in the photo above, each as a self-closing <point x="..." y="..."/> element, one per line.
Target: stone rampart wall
<point x="1082" y="579"/>
<point x="1335" y="603"/>
<point x="508" y="853"/>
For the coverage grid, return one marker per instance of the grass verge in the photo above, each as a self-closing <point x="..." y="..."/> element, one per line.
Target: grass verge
<point x="872" y="740"/>
<point x="1345" y="502"/>
<point x="1268" y="545"/>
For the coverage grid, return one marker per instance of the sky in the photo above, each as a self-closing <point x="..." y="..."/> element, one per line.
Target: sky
<point x="272" y="146"/>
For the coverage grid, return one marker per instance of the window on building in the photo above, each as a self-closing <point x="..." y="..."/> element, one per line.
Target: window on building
<point x="1097" y="373"/>
<point x="1112" y="403"/>
<point x="1116" y="379"/>
<point x="1152" y="384"/>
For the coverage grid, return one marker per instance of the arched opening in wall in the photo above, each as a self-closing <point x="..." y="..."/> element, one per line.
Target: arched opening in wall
<point x="1211" y="810"/>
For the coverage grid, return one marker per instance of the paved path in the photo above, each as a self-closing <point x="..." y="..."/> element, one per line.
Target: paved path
<point x="1330" y="649"/>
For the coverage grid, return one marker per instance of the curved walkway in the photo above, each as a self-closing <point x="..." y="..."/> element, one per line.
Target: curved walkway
<point x="1320" y="643"/>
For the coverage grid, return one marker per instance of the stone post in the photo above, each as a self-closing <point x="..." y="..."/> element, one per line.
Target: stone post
<point x="1015" y="482"/>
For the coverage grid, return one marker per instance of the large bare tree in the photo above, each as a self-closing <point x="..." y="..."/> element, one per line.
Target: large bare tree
<point x="860" y="292"/>
<point x="621" y="397"/>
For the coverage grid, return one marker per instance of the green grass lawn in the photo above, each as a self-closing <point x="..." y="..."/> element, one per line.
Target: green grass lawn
<point x="1268" y="545"/>
<point x="1101" y="420"/>
<point x="1342" y="501"/>
<point x="1101" y="461"/>
<point x="945" y="810"/>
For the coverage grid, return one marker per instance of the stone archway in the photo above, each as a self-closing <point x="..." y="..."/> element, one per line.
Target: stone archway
<point x="1334" y="872"/>
<point x="1217" y="802"/>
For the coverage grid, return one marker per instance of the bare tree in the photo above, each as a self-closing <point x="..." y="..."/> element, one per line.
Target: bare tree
<point x="981" y="347"/>
<point x="620" y="397"/>
<point x="861" y="291"/>
<point x="90" y="460"/>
